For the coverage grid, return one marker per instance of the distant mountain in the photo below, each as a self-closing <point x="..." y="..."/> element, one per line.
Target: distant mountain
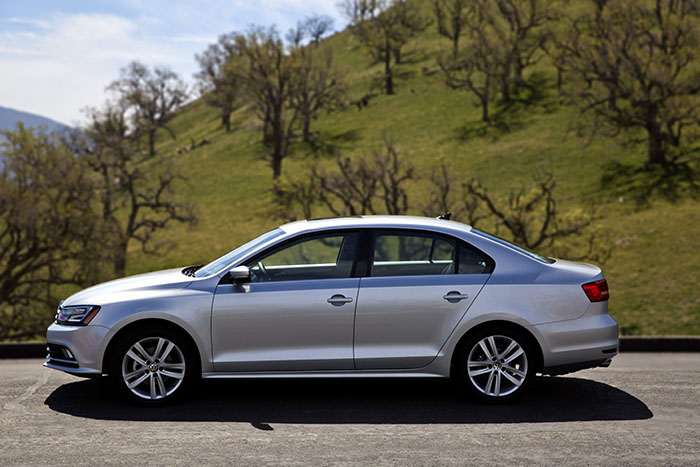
<point x="10" y="117"/>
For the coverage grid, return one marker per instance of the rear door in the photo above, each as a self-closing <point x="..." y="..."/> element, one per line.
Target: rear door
<point x="419" y="286"/>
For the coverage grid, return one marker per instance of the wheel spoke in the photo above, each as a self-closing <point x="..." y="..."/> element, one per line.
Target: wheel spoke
<point x="483" y="346"/>
<point x="515" y="355"/>
<point x="489" y="383"/>
<point x="142" y="351"/>
<point x="167" y="351"/>
<point x="494" y="349"/>
<point x="136" y="358"/>
<point x="170" y="374"/>
<point x="173" y="366"/>
<point x="135" y="373"/>
<point x="159" y="348"/>
<point x="510" y="347"/>
<point x="497" y="389"/>
<point x="514" y="371"/>
<point x="154" y="395"/>
<point x="161" y="385"/>
<point x="138" y="381"/>
<point x="511" y="379"/>
<point x="483" y="371"/>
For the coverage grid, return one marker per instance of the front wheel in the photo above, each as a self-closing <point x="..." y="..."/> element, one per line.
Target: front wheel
<point x="153" y="366"/>
<point x="495" y="365"/>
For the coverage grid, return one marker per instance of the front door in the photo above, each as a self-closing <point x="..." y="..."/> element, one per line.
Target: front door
<point x="296" y="313"/>
<point x="420" y="285"/>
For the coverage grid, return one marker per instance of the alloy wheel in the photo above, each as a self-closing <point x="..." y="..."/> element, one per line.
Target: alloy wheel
<point x="497" y="366"/>
<point x="153" y="368"/>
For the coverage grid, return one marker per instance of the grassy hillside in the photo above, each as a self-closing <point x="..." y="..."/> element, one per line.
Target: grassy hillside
<point x="655" y="268"/>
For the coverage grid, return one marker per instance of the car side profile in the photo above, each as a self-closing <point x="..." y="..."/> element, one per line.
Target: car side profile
<point x="368" y="296"/>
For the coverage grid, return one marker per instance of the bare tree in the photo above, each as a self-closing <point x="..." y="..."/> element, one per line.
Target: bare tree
<point x="271" y="78"/>
<point x="136" y="192"/>
<point x="48" y="229"/>
<point x="152" y="97"/>
<point x="218" y="77"/>
<point x="319" y="86"/>
<point x="384" y="27"/>
<point x="528" y="216"/>
<point x="370" y="184"/>
<point x="316" y="26"/>
<point x="633" y="65"/>
<point x="477" y="68"/>
<point x="452" y="18"/>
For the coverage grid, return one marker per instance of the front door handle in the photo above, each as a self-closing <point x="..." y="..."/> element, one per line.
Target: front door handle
<point x="455" y="296"/>
<point x="339" y="299"/>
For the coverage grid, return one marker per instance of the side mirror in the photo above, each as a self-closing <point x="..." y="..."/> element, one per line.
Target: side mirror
<point x="239" y="274"/>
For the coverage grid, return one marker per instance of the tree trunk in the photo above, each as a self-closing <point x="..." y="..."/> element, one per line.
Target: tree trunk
<point x="485" y="101"/>
<point x="397" y="55"/>
<point x="226" y="121"/>
<point x="518" y="73"/>
<point x="655" y="139"/>
<point x="307" y="129"/>
<point x="119" y="259"/>
<point x="505" y="90"/>
<point x="277" y="142"/>
<point x="388" y="73"/>
<point x="455" y="46"/>
<point x="656" y="150"/>
<point x="152" y="143"/>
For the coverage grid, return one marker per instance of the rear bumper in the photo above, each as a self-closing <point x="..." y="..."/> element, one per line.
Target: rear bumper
<point x="573" y="345"/>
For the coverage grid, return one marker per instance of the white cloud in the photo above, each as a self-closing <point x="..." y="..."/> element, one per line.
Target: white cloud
<point x="55" y="64"/>
<point x="65" y="67"/>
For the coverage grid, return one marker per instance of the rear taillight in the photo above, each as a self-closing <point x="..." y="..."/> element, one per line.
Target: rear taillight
<point x="597" y="291"/>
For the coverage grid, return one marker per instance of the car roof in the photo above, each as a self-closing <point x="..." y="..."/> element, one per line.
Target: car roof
<point x="428" y="223"/>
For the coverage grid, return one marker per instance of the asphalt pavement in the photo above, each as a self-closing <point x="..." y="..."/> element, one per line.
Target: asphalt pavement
<point x="643" y="410"/>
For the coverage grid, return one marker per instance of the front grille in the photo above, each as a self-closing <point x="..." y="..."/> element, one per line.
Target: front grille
<point x="59" y="355"/>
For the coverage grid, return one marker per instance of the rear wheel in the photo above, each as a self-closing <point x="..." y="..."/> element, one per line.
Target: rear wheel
<point x="153" y="366"/>
<point x="495" y="365"/>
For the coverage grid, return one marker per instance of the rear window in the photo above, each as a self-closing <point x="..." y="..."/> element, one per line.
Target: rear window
<point x="525" y="251"/>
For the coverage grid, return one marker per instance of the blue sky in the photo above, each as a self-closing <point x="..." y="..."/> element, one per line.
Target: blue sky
<point x="56" y="57"/>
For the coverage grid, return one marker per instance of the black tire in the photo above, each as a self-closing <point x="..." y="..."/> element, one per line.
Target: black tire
<point x="494" y="381"/>
<point x="170" y="378"/>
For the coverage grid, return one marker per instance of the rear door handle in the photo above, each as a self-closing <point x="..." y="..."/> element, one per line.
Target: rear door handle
<point x="455" y="296"/>
<point x="339" y="299"/>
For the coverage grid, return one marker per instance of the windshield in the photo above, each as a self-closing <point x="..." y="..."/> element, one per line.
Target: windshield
<point x="231" y="257"/>
<point x="522" y="250"/>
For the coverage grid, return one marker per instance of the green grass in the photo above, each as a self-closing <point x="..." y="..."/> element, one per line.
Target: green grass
<point x="655" y="268"/>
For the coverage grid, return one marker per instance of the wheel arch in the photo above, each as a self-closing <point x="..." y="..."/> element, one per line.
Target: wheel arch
<point x="501" y="324"/>
<point x="162" y="323"/>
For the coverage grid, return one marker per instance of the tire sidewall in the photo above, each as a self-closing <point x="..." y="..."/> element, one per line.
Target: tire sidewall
<point x="460" y="371"/>
<point x="123" y="346"/>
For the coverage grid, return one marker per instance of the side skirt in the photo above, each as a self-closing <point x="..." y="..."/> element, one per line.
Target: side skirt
<point x="322" y="374"/>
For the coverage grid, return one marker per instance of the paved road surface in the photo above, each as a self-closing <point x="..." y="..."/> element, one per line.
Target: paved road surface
<point x="643" y="410"/>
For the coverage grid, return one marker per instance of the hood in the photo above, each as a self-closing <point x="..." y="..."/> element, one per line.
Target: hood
<point x="159" y="280"/>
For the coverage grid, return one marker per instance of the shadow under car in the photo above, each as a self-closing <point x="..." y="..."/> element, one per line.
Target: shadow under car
<point x="355" y="401"/>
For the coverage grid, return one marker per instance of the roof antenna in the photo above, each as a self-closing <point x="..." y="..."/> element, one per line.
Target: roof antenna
<point x="446" y="216"/>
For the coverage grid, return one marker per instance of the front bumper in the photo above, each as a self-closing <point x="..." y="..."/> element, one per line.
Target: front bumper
<point x="85" y="344"/>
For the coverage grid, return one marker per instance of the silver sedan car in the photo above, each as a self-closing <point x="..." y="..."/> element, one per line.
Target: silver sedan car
<point x="378" y="296"/>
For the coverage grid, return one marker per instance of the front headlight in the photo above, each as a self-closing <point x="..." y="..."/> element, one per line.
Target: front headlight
<point x="76" y="315"/>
